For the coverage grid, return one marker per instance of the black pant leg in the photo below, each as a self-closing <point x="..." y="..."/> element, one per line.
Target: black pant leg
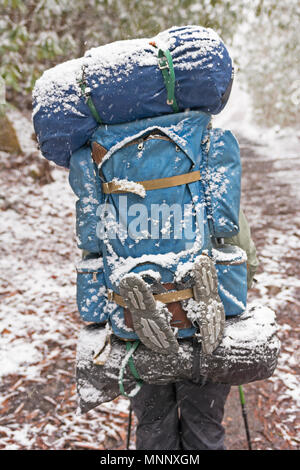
<point x="156" y="409"/>
<point x="201" y="414"/>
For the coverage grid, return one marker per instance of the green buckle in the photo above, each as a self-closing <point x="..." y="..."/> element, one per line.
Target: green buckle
<point x="87" y="96"/>
<point x="163" y="63"/>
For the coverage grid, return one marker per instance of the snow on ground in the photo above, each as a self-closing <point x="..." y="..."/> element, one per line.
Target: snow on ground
<point x="39" y="323"/>
<point x="271" y="198"/>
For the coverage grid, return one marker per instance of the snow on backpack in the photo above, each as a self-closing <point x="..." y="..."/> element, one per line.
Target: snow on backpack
<point x="124" y="81"/>
<point x="247" y="352"/>
<point x="153" y="196"/>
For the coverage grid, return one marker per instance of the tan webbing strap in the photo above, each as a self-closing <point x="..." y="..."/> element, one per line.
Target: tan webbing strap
<point x="160" y="183"/>
<point x="165" y="297"/>
<point x="169" y="297"/>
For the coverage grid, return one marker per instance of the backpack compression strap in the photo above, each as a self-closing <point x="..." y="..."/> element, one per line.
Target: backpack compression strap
<point x="122" y="186"/>
<point x="165" y="64"/>
<point x="165" y="297"/>
<point x="128" y="359"/>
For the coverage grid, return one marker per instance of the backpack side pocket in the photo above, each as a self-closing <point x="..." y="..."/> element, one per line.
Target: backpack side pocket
<point x="91" y="290"/>
<point x="222" y="183"/>
<point x="85" y="182"/>
<point x="231" y="266"/>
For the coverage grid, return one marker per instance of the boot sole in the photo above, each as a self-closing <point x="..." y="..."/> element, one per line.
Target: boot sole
<point x="150" y="318"/>
<point x="212" y="318"/>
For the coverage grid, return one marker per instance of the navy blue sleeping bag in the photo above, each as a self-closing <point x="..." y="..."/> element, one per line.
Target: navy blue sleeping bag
<point x="125" y="84"/>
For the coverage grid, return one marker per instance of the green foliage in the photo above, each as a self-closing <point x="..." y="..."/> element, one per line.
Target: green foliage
<point x="271" y="63"/>
<point x="37" y="34"/>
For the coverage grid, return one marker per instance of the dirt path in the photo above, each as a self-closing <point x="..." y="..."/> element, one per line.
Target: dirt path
<point x="272" y="207"/>
<point x="39" y="321"/>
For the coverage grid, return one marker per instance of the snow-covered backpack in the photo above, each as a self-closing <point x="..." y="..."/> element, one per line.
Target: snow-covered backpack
<point x="153" y="195"/>
<point x="128" y="80"/>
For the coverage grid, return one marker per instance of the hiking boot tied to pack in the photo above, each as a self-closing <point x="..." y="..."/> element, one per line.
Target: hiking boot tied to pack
<point x="211" y="317"/>
<point x="151" y="318"/>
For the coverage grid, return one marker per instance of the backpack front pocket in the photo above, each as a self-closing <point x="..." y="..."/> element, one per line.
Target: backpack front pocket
<point x="91" y="290"/>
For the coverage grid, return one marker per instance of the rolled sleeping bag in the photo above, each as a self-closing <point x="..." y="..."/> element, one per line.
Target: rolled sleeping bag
<point x="122" y="82"/>
<point x="248" y="352"/>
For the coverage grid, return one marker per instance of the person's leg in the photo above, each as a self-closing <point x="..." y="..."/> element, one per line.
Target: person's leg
<point x="201" y="413"/>
<point x="156" y="410"/>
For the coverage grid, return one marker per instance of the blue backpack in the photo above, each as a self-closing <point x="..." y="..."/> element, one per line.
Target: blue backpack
<point x="154" y="194"/>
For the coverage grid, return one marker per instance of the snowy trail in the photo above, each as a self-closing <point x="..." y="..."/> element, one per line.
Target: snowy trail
<point x="39" y="323"/>
<point x="273" y="214"/>
<point x="271" y="199"/>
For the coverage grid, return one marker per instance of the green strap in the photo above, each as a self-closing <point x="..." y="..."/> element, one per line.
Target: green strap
<point x="88" y="98"/>
<point x="128" y="359"/>
<point x="131" y="362"/>
<point x="165" y="64"/>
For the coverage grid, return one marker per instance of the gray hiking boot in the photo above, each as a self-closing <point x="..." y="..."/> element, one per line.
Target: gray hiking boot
<point x="211" y="316"/>
<point x="151" y="319"/>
